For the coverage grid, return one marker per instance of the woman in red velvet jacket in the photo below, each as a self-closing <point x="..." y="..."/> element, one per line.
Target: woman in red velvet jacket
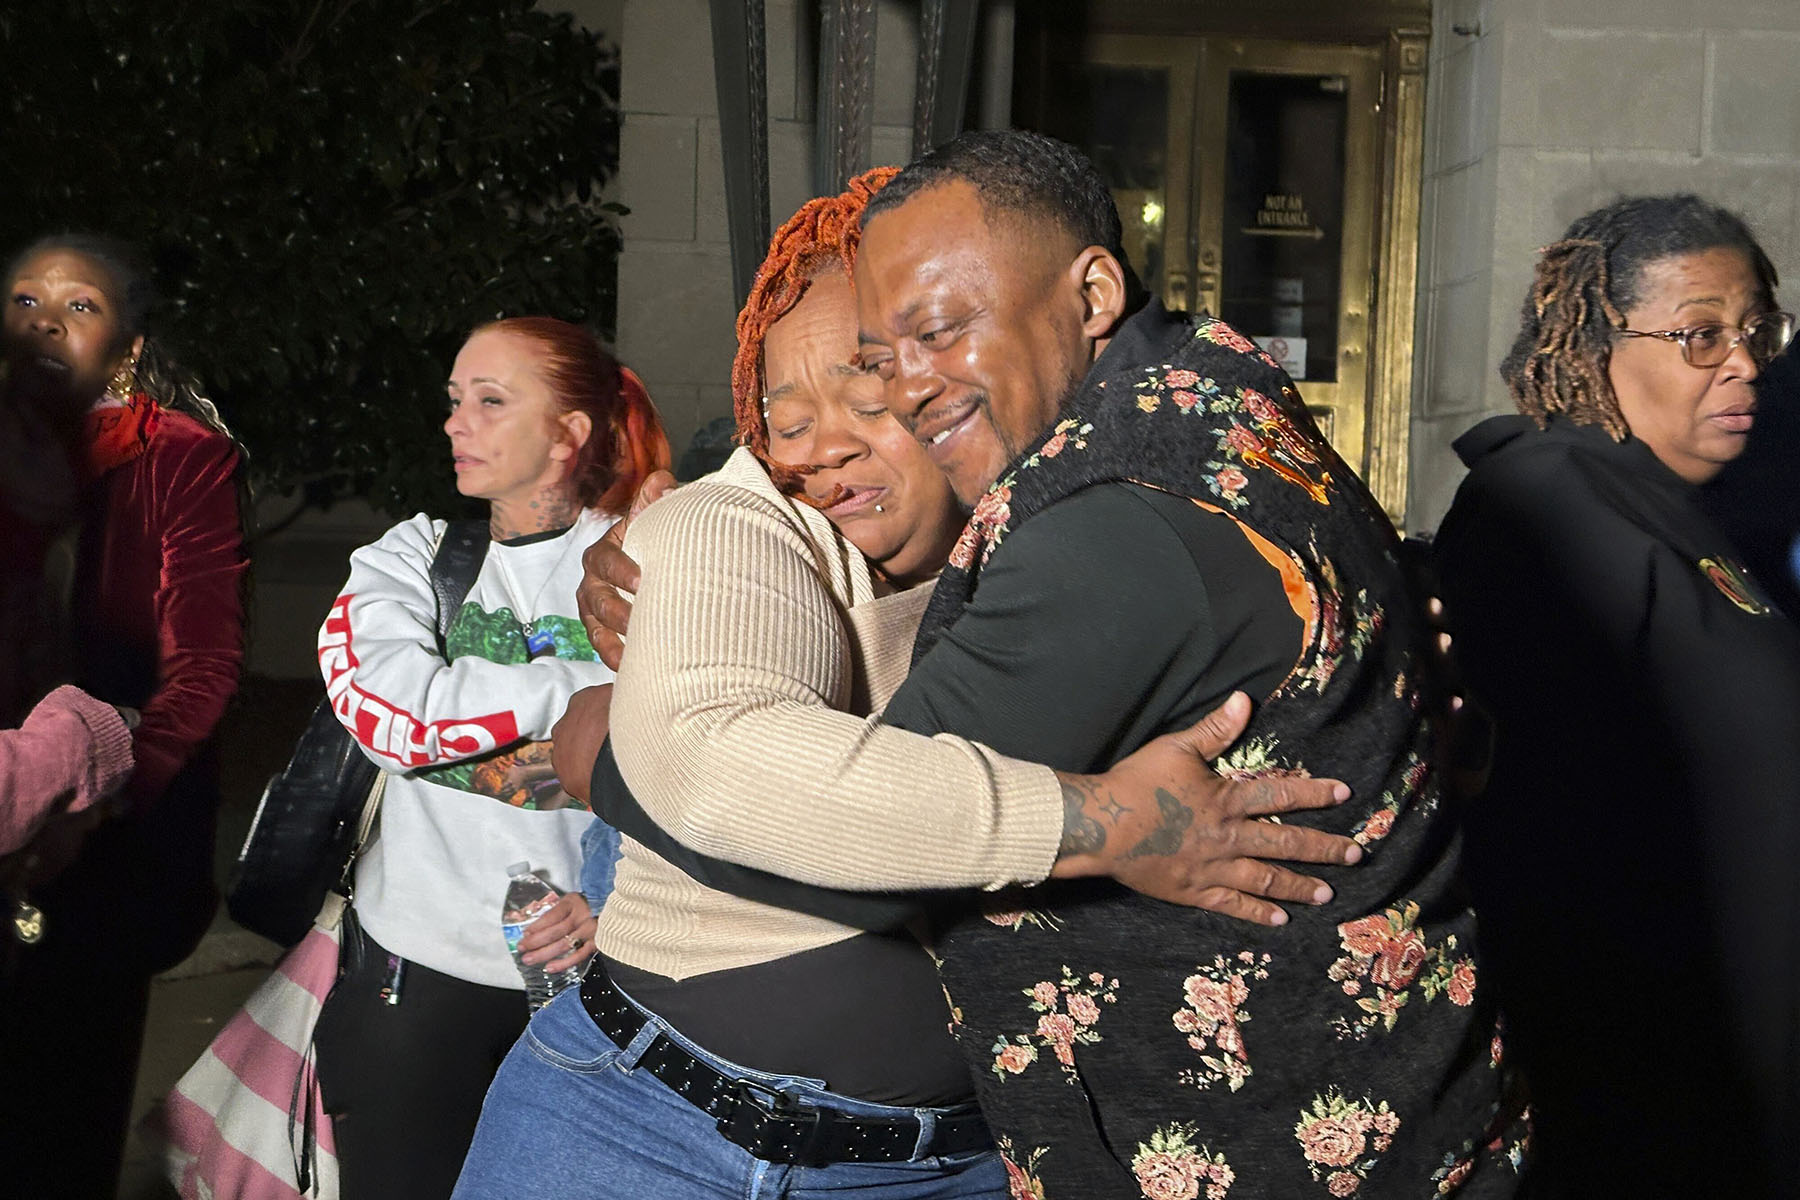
<point x="139" y="477"/>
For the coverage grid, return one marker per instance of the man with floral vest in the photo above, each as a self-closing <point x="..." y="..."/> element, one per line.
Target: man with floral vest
<point x="1157" y="524"/>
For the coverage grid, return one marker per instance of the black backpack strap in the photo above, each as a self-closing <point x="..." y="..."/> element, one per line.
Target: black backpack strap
<point x="614" y="803"/>
<point x="460" y="554"/>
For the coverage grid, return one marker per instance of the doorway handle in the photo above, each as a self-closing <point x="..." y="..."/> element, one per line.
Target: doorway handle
<point x="1207" y="287"/>
<point x="1175" y="291"/>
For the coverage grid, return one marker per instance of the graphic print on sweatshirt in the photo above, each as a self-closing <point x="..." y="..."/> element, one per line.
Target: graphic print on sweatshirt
<point x="519" y="775"/>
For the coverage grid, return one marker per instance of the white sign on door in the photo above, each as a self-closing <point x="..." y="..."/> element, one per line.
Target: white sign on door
<point x="1290" y="352"/>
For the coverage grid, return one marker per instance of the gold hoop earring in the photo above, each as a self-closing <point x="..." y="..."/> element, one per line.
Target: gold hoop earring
<point x="123" y="385"/>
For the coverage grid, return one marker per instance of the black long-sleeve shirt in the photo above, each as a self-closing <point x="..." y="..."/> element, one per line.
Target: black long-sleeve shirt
<point x="1116" y="615"/>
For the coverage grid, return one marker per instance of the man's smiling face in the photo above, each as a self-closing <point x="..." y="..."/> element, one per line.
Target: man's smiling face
<point x="975" y="326"/>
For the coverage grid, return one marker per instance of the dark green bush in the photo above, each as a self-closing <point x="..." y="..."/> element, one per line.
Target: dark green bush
<point x="333" y="192"/>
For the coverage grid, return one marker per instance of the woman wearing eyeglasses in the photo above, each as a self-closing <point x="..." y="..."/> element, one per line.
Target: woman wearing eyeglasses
<point x="1636" y="855"/>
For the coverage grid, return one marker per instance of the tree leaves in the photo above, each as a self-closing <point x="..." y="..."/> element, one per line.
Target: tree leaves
<point x="333" y="191"/>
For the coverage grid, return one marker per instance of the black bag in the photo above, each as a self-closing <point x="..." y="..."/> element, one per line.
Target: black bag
<point x="310" y="822"/>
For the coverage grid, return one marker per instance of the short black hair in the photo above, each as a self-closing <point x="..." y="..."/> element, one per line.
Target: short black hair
<point x="1014" y="171"/>
<point x="1588" y="280"/>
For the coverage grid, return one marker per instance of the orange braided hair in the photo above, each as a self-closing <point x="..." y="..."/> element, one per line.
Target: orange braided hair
<point x="822" y="235"/>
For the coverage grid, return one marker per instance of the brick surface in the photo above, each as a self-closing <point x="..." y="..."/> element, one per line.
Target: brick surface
<point x="676" y="312"/>
<point x="1436" y="471"/>
<point x="1671" y="14"/>
<point x="1458" y="349"/>
<point x="890" y="146"/>
<point x="656" y="177"/>
<point x="677" y="405"/>
<point x="1462" y="226"/>
<point x="896" y="60"/>
<point x="711" y="401"/>
<point x="1463" y="101"/>
<point x="1624" y="90"/>
<point x="790" y="168"/>
<point x="781" y="28"/>
<point x="709" y="184"/>
<point x="1755" y="94"/>
<point x="665" y="63"/>
<point x="1763" y="193"/>
<point x="1539" y="193"/>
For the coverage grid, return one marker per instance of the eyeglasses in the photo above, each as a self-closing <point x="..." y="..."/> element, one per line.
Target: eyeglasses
<point x="1765" y="335"/>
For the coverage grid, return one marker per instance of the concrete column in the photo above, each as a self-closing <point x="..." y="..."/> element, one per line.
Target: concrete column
<point x="676" y="311"/>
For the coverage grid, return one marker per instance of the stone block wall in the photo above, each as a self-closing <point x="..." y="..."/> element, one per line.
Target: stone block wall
<point x="1540" y="110"/>
<point x="676" y="304"/>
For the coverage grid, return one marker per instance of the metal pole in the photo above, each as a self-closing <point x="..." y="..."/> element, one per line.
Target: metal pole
<point x="740" y="70"/>
<point x="846" y="111"/>
<point x="946" y="56"/>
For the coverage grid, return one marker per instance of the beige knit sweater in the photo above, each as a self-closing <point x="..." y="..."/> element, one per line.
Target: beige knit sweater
<point x="758" y="652"/>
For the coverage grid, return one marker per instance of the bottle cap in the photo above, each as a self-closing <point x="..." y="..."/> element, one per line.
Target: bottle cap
<point x="519" y="868"/>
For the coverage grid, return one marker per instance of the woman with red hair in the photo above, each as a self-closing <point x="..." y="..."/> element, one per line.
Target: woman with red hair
<point x="548" y="429"/>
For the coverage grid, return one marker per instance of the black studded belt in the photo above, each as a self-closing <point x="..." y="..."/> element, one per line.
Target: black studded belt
<point x="770" y="1124"/>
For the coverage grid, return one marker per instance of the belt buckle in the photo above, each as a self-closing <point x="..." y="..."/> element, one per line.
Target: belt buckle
<point x="801" y="1128"/>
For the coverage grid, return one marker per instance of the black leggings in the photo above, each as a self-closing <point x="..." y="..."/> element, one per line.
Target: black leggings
<point x="404" y="1082"/>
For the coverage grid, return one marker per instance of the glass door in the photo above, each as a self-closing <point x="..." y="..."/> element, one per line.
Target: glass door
<point x="1248" y="177"/>
<point x="1287" y="188"/>
<point x="1129" y="104"/>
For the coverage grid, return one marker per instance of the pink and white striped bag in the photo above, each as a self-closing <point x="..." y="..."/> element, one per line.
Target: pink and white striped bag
<point x="246" y="1121"/>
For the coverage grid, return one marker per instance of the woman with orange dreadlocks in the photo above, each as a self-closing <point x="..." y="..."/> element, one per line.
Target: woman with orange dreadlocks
<point x="754" y="1005"/>
<point x="776" y="613"/>
<point x="1633" y="856"/>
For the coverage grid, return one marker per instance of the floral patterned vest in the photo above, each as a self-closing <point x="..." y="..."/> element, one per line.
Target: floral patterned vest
<point x="1127" y="1046"/>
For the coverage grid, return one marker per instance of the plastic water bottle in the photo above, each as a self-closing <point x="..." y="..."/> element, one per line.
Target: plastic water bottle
<point x="527" y="899"/>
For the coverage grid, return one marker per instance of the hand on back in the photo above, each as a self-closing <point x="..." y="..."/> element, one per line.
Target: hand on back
<point x="608" y="573"/>
<point x="1163" y="823"/>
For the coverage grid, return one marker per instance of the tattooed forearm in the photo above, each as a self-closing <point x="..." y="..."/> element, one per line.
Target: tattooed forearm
<point x="1172" y="826"/>
<point x="1081" y="833"/>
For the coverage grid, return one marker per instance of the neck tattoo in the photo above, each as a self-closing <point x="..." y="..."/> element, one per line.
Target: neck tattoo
<point x="551" y="508"/>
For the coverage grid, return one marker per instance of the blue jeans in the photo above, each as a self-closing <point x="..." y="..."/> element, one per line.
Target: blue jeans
<point x="570" y="1116"/>
<point x="599" y="862"/>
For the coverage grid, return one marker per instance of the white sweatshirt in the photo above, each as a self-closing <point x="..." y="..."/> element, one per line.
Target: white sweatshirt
<point x="459" y="806"/>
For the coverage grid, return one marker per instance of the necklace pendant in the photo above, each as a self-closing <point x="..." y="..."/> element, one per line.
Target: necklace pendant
<point x="28" y="922"/>
<point x="539" y="642"/>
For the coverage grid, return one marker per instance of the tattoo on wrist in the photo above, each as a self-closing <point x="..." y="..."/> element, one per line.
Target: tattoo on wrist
<point x="1081" y="833"/>
<point x="1173" y="820"/>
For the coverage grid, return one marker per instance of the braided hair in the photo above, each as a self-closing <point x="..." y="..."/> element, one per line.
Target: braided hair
<point x="1587" y="281"/>
<point x="821" y="237"/>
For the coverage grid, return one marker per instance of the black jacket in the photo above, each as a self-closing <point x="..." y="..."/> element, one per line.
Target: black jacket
<point x="1635" y="856"/>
